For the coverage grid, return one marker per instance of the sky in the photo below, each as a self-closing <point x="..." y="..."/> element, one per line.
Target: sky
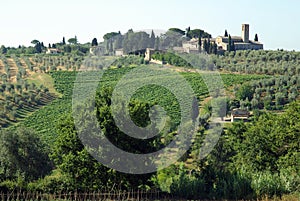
<point x="276" y="22"/>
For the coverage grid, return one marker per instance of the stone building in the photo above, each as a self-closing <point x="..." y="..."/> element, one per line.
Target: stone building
<point x="119" y="52"/>
<point x="240" y="42"/>
<point x="192" y="46"/>
<point x="53" y="51"/>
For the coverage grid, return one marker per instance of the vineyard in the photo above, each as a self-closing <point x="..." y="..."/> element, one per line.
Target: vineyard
<point x="46" y="118"/>
<point x="37" y="92"/>
<point x="28" y="83"/>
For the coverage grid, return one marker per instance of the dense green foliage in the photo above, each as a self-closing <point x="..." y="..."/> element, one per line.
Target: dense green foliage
<point x="271" y="94"/>
<point x="250" y="160"/>
<point x="22" y="156"/>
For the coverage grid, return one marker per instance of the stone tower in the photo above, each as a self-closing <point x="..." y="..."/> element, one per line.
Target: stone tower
<point x="245" y="33"/>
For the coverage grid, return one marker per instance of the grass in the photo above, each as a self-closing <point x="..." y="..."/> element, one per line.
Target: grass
<point x="45" y="80"/>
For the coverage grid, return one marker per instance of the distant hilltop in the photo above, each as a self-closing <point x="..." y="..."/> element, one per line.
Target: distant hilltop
<point x="136" y="42"/>
<point x="221" y="43"/>
<point x="189" y="41"/>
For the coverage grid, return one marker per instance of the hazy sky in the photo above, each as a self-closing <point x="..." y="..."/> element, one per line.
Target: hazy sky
<point x="276" y="21"/>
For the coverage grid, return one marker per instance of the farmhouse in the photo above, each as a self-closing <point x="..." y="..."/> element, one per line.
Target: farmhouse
<point x="119" y="52"/>
<point x="53" y="51"/>
<point x="192" y="46"/>
<point x="239" y="114"/>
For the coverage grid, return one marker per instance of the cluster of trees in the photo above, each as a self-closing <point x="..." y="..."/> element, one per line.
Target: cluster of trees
<point x="73" y="47"/>
<point x="23" y="157"/>
<point x="130" y="42"/>
<point x="209" y="47"/>
<point x="249" y="161"/>
<point x="270" y="94"/>
<point x="259" y="62"/>
<point x="44" y="63"/>
<point x="22" y="95"/>
<point x="133" y="41"/>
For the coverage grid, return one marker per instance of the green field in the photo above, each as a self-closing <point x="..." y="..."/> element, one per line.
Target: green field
<point x="46" y="118"/>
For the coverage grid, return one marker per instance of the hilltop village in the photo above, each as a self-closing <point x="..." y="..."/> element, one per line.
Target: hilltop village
<point x="190" y="41"/>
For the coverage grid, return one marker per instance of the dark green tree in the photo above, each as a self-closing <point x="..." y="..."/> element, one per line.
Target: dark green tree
<point x="226" y="34"/>
<point x="200" y="43"/>
<point x="22" y="153"/>
<point x="215" y="49"/>
<point x="34" y="42"/>
<point x="64" y="41"/>
<point x="270" y="143"/>
<point x="94" y="42"/>
<point x="205" y="46"/>
<point x="3" y="49"/>
<point x="187" y="31"/>
<point x="73" y="41"/>
<point x="110" y="35"/>
<point x="38" y="47"/>
<point x="181" y="32"/>
<point x="229" y="43"/>
<point x="245" y="91"/>
<point x="152" y="39"/>
<point x="256" y="38"/>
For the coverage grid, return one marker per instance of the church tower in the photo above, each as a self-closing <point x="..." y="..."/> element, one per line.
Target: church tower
<point x="245" y="33"/>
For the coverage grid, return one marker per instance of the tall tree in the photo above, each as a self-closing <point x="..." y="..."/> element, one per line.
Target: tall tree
<point x="34" y="42"/>
<point x="94" y="42"/>
<point x="226" y="34"/>
<point x="64" y="41"/>
<point x="73" y="40"/>
<point x="187" y="31"/>
<point x="200" y="42"/>
<point x="215" y="49"/>
<point x="38" y="47"/>
<point x="3" y="49"/>
<point x="205" y="46"/>
<point x="156" y="45"/>
<point x="152" y="39"/>
<point x="229" y="43"/>
<point x="22" y="153"/>
<point x="256" y="38"/>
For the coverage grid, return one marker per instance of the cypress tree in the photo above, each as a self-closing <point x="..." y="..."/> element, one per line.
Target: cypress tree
<point x="205" y="46"/>
<point x="94" y="42"/>
<point x="215" y="48"/>
<point x="256" y="38"/>
<point x="199" y="43"/>
<point x="226" y="34"/>
<point x="152" y="39"/>
<point x="229" y="43"/>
